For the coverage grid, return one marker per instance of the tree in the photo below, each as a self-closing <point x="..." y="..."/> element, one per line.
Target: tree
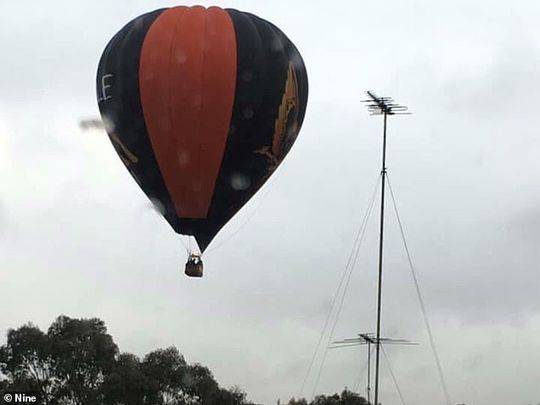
<point x="165" y="369"/>
<point x="82" y="353"/>
<point x="199" y="382"/>
<point x="27" y="363"/>
<point x="126" y="383"/>
<point x="301" y="401"/>
<point x="346" y="398"/>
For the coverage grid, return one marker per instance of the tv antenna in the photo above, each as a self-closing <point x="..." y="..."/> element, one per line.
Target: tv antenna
<point x="384" y="106"/>
<point x="368" y="339"/>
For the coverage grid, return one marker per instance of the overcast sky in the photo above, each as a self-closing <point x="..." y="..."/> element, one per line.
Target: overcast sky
<point x="78" y="237"/>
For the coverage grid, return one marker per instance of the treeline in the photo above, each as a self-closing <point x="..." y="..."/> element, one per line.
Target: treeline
<point x="76" y="362"/>
<point x="346" y="398"/>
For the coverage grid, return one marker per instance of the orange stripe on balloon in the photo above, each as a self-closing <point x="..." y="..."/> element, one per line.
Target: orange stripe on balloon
<point x="187" y="80"/>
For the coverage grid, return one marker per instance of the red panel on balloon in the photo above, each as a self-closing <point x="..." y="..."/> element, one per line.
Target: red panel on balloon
<point x="187" y="82"/>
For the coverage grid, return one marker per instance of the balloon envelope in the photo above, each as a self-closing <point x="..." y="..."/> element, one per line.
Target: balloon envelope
<point x="201" y="106"/>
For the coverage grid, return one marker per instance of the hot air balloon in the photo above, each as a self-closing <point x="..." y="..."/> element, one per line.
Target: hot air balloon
<point x="201" y="106"/>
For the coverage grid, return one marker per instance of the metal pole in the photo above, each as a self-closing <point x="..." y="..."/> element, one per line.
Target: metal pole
<point x="379" y="292"/>
<point x="368" y="371"/>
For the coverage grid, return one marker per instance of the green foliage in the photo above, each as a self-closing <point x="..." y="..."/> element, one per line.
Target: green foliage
<point x="126" y="382"/>
<point x="26" y="361"/>
<point x="82" y="354"/>
<point x="346" y="398"/>
<point x="76" y="362"/>
<point x="301" y="401"/>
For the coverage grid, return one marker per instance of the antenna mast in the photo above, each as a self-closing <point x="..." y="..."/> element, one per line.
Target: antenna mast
<point x="368" y="339"/>
<point x="381" y="106"/>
